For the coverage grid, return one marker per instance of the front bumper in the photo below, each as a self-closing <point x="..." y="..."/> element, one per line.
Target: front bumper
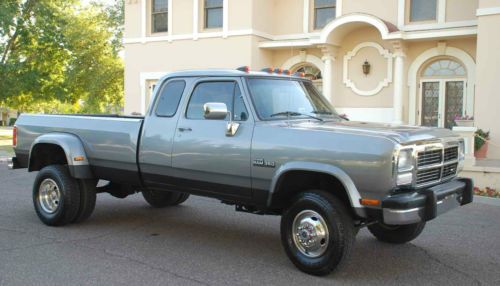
<point x="426" y="204"/>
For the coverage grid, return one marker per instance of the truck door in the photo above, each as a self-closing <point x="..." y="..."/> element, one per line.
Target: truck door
<point x="205" y="159"/>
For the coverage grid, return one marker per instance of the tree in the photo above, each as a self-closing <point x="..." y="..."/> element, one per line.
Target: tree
<point x="60" y="56"/>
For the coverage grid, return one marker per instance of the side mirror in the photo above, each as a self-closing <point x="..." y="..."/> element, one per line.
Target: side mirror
<point x="215" y="110"/>
<point x="218" y="111"/>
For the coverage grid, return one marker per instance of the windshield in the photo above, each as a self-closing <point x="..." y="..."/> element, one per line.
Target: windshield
<point x="275" y="98"/>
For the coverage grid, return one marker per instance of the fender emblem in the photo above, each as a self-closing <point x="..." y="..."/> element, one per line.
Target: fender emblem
<point x="264" y="163"/>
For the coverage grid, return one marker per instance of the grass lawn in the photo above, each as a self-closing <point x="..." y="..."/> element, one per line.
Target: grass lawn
<point x="6" y="142"/>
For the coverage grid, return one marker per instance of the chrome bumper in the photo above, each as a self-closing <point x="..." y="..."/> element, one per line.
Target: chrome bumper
<point x="424" y="205"/>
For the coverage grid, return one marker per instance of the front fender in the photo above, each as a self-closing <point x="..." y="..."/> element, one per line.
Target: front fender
<point x="343" y="177"/>
<point x="72" y="147"/>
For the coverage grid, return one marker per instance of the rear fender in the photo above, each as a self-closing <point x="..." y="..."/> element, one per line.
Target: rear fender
<point x="72" y="146"/>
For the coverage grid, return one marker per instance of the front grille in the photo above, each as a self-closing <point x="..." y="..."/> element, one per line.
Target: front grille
<point x="428" y="175"/>
<point x="427" y="158"/>
<point x="436" y="164"/>
<point x="450" y="154"/>
<point x="449" y="170"/>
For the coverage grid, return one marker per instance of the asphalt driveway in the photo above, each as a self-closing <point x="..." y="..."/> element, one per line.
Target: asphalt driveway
<point x="205" y="242"/>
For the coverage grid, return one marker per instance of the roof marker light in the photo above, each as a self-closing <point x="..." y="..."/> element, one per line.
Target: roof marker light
<point x="299" y="74"/>
<point x="278" y="71"/>
<point x="287" y="72"/>
<point x="268" y="70"/>
<point x="244" y="69"/>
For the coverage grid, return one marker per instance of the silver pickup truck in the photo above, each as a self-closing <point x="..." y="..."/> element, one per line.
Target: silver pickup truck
<point x="265" y="142"/>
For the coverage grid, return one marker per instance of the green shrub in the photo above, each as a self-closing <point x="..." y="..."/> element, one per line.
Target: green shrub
<point x="12" y="121"/>
<point x="479" y="139"/>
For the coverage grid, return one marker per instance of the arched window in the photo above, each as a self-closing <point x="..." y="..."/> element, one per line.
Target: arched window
<point x="446" y="67"/>
<point x="313" y="73"/>
<point x="443" y="90"/>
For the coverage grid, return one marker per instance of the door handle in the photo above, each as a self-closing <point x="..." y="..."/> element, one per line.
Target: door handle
<point x="185" y="129"/>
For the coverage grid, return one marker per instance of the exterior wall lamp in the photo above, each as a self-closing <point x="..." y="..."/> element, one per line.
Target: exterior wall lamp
<point x="366" y="67"/>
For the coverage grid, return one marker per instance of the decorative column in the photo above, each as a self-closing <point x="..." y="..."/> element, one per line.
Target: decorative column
<point x="329" y="53"/>
<point x="399" y="56"/>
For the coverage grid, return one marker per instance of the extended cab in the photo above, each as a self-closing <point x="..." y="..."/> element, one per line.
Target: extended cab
<point x="267" y="143"/>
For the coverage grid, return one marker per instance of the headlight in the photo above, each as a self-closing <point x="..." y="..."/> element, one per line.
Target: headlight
<point x="405" y="167"/>
<point x="461" y="155"/>
<point x="405" y="160"/>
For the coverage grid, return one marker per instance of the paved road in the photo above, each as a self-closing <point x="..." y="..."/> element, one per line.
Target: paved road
<point x="205" y="242"/>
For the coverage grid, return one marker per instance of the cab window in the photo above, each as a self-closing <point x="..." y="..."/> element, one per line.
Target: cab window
<point x="227" y="92"/>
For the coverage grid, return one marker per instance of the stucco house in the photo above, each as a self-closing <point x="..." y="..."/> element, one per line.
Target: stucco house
<point x="419" y="62"/>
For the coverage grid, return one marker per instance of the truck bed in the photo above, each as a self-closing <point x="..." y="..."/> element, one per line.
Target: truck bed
<point x="110" y="141"/>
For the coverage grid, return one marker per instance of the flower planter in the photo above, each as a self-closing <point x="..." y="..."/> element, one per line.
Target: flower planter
<point x="481" y="153"/>
<point x="464" y="123"/>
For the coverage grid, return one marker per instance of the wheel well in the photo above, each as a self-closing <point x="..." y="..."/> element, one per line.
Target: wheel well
<point x="293" y="182"/>
<point x="44" y="154"/>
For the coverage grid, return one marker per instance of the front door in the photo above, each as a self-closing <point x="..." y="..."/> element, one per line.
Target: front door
<point x="205" y="158"/>
<point x="441" y="102"/>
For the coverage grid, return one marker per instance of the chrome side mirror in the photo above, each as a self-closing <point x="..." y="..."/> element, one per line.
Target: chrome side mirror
<point x="218" y="111"/>
<point x="215" y="110"/>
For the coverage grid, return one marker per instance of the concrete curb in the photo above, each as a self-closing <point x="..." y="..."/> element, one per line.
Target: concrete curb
<point x="487" y="201"/>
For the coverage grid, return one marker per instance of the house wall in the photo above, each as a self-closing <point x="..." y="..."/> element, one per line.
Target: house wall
<point x="488" y="74"/>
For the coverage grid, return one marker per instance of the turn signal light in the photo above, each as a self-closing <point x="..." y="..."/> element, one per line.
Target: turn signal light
<point x="369" y="202"/>
<point x="244" y="69"/>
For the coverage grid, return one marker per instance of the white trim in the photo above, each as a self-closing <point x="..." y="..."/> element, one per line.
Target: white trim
<point x="143" y="78"/>
<point x="225" y="18"/>
<point x="170" y="16"/>
<point x="369" y="114"/>
<point x="441" y="16"/>
<point x="143" y="20"/>
<point x="305" y="17"/>
<point x="196" y="18"/>
<point x="338" y="9"/>
<point x="417" y="35"/>
<point x="298" y="59"/>
<point x="401" y="14"/>
<point x="442" y="50"/>
<point x="351" y="18"/>
<point x="488" y="11"/>
<point x="384" y="83"/>
<point x="437" y="26"/>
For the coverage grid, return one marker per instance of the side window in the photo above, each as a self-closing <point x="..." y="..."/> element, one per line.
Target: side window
<point x="170" y="96"/>
<point x="225" y="92"/>
<point x="240" y="111"/>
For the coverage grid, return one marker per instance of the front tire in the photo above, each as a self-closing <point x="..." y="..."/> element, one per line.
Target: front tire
<point x="317" y="232"/>
<point x="396" y="234"/>
<point x="56" y="196"/>
<point x="161" y="199"/>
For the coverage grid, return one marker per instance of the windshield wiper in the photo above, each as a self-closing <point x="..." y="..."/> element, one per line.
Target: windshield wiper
<point x="294" y="113"/>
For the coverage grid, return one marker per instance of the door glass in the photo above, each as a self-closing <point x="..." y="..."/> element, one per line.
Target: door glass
<point x="430" y="103"/>
<point x="454" y="102"/>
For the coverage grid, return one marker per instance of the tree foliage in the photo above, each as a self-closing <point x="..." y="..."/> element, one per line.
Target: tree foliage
<point x="61" y="56"/>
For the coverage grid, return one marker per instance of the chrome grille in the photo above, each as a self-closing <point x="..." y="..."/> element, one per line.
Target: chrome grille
<point x="428" y="175"/>
<point x="435" y="163"/>
<point x="432" y="157"/>
<point x="450" y="154"/>
<point x="450" y="170"/>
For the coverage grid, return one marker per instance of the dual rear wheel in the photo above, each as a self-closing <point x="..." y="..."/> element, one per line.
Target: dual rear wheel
<point x="60" y="199"/>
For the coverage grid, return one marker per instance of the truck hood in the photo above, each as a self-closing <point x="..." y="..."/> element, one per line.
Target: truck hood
<point x="402" y="134"/>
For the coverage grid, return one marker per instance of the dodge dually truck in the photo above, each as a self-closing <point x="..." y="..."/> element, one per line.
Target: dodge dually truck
<point x="265" y="142"/>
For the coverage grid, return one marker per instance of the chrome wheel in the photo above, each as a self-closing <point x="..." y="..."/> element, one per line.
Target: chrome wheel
<point x="310" y="233"/>
<point x="49" y="196"/>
